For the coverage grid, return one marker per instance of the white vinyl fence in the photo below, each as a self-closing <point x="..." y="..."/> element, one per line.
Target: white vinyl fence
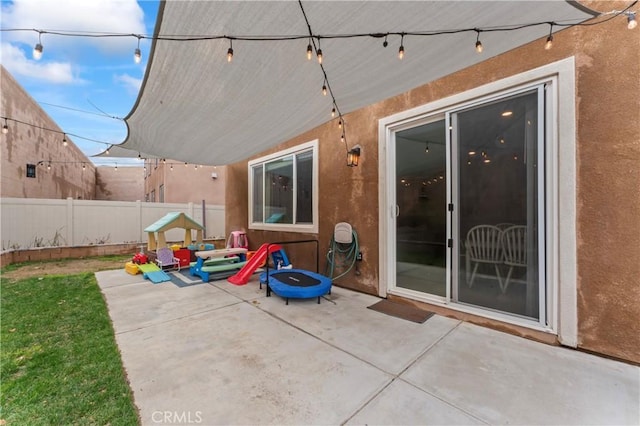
<point x="28" y="222"/>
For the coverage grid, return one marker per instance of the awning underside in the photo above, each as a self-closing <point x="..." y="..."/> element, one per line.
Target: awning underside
<point x="197" y="107"/>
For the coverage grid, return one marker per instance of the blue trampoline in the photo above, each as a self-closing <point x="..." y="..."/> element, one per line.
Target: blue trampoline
<point x="296" y="284"/>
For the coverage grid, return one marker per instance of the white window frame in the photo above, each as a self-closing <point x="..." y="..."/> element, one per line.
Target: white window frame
<point x="560" y="190"/>
<point x="287" y="227"/>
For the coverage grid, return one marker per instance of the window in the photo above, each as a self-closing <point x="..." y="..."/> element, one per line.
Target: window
<point x="161" y="194"/>
<point x="31" y="170"/>
<point x="283" y="190"/>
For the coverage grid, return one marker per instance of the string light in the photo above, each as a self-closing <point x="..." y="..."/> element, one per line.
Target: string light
<point x="5" y="128"/>
<point x="64" y="140"/>
<point x="137" y="54"/>
<point x="37" y="50"/>
<point x="116" y="167"/>
<point x="324" y="89"/>
<point x="309" y="51"/>
<point x="549" y="43"/>
<point x="230" y="51"/>
<point x="333" y="112"/>
<point x="385" y="43"/>
<point x="426" y="149"/>
<point x="84" y="167"/>
<point x="401" y="49"/>
<point x="479" y="47"/>
<point x="631" y="20"/>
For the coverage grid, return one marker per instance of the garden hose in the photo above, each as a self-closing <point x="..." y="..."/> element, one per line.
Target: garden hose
<point x="342" y="255"/>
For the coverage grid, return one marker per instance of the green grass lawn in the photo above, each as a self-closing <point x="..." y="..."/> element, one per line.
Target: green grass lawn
<point x="59" y="360"/>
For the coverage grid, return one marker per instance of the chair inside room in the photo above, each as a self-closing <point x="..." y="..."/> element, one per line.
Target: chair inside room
<point x="483" y="246"/>
<point x="166" y="259"/>
<point x="514" y="246"/>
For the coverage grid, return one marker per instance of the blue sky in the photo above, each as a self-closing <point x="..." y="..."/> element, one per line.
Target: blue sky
<point x="80" y="73"/>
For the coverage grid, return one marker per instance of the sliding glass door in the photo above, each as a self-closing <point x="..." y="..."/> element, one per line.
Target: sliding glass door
<point x="497" y="152"/>
<point x="421" y="199"/>
<point x="468" y="214"/>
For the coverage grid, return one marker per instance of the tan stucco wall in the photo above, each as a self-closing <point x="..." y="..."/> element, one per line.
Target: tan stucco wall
<point x="186" y="184"/>
<point x="608" y="176"/>
<point x="26" y="144"/>
<point x="123" y="184"/>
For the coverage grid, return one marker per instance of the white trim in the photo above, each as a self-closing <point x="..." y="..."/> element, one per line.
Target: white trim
<point x="561" y="255"/>
<point x="283" y="227"/>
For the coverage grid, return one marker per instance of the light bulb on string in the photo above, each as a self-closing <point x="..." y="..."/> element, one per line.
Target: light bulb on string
<point x="37" y="50"/>
<point x="479" y="47"/>
<point x="64" y="140"/>
<point x="549" y="43"/>
<point x="137" y="54"/>
<point x="84" y="167"/>
<point x="401" y="49"/>
<point x="319" y="53"/>
<point x="230" y="51"/>
<point x="333" y="112"/>
<point x="324" y="89"/>
<point x="309" y="51"/>
<point x="339" y="124"/>
<point x="385" y="43"/>
<point x="171" y="167"/>
<point x="5" y="127"/>
<point x="185" y="164"/>
<point x="48" y="166"/>
<point x="116" y="166"/>
<point x="426" y="149"/>
<point x="107" y="151"/>
<point x="631" y="20"/>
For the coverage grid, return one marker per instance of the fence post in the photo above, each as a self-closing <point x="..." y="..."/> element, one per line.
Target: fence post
<point x="69" y="233"/>
<point x="139" y="219"/>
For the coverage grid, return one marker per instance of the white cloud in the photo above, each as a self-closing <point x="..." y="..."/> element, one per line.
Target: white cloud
<point x="132" y="84"/>
<point x="17" y="63"/>
<point x="85" y="16"/>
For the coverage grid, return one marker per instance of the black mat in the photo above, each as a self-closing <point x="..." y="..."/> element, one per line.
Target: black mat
<point x="401" y="310"/>
<point x="184" y="280"/>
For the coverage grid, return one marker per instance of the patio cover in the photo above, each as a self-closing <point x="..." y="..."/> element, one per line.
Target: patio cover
<point x="170" y="221"/>
<point x="196" y="107"/>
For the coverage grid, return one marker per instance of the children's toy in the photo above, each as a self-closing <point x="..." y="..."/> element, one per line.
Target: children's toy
<point x="236" y="259"/>
<point x="238" y="239"/>
<point x="151" y="272"/>
<point x="257" y="260"/>
<point x="140" y="258"/>
<point x="296" y="284"/>
<point x="131" y="268"/>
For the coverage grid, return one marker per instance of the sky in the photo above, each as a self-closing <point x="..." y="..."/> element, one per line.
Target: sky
<point x="80" y="79"/>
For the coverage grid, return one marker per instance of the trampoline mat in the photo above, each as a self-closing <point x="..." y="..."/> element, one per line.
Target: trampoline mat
<point x="295" y="279"/>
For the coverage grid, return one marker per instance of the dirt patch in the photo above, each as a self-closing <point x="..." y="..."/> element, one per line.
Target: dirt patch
<point x="63" y="267"/>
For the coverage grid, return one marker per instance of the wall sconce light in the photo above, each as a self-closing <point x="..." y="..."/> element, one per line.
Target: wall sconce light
<point x="353" y="157"/>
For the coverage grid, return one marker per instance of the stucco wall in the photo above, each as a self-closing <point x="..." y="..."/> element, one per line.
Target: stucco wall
<point x="123" y="184"/>
<point x="26" y="144"/>
<point x="186" y="184"/>
<point x="608" y="175"/>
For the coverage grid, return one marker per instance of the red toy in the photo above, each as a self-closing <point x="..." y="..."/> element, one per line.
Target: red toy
<point x="140" y="258"/>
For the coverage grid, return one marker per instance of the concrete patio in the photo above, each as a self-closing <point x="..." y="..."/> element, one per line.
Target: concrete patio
<point x="221" y="354"/>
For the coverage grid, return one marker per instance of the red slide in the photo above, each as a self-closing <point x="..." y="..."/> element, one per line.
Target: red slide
<point x="259" y="257"/>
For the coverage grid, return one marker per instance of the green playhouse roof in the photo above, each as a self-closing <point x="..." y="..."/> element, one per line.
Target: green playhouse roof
<point x="173" y="220"/>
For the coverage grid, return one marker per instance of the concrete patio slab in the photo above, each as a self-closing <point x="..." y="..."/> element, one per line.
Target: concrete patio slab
<point x="504" y="379"/>
<point x="403" y="404"/>
<point x="140" y="304"/>
<point x="239" y="365"/>
<point x="215" y="353"/>
<point x="387" y="342"/>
